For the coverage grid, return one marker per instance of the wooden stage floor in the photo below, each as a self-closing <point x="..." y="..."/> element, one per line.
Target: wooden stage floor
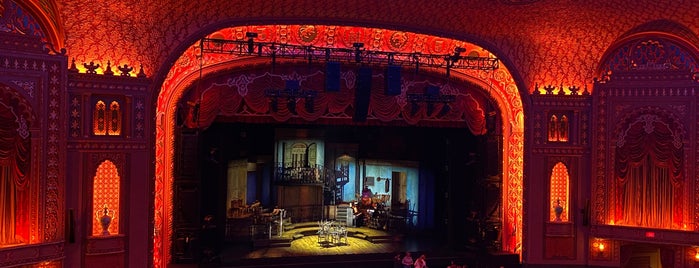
<point x="365" y="248"/>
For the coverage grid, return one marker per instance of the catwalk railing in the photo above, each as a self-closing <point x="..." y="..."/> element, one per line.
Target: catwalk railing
<point x="357" y="54"/>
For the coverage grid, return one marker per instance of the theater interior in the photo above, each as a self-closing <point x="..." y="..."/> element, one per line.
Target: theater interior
<point x="298" y="133"/>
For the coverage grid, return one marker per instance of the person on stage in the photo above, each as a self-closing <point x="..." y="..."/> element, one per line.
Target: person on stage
<point x="407" y="260"/>
<point x="420" y="262"/>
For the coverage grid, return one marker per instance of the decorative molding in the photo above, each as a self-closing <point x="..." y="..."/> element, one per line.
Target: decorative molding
<point x="28" y="86"/>
<point x="12" y="256"/>
<point x="55" y="152"/>
<point x="584" y="128"/>
<point x="637" y="234"/>
<point x="561" y="229"/>
<point x="118" y="158"/>
<point x="110" y="84"/>
<point x="75" y="112"/>
<point x="539" y="129"/>
<point x="560" y="151"/>
<point x="98" y="245"/>
<point x="24" y="43"/>
<point x="107" y="145"/>
<point x="139" y="117"/>
<point x="564" y="103"/>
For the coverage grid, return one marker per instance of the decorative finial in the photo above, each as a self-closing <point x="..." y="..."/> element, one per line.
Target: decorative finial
<point x="125" y="70"/>
<point x="73" y="68"/>
<point x="91" y="68"/>
<point x="141" y="73"/>
<point x="108" y="70"/>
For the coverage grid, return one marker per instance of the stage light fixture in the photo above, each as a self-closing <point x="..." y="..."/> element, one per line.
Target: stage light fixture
<point x="251" y="41"/>
<point x="246" y="47"/>
<point x="430" y="97"/>
<point x="358" y="52"/>
<point x="292" y="93"/>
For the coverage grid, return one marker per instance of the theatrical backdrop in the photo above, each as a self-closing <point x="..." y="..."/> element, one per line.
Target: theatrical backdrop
<point x="158" y="133"/>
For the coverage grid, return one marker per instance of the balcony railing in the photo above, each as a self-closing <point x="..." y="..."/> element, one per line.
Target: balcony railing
<point x="290" y="173"/>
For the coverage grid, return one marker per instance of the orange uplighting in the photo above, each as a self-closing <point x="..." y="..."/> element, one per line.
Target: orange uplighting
<point x="105" y="194"/>
<point x="559" y="193"/>
<point x="601" y="247"/>
<point x="503" y="88"/>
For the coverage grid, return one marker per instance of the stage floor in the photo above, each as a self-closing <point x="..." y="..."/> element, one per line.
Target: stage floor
<point x="301" y="239"/>
<point x="299" y="247"/>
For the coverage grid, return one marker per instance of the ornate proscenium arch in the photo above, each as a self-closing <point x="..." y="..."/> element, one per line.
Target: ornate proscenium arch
<point x="499" y="83"/>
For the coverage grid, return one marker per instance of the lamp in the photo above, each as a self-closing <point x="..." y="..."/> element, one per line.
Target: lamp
<point x="599" y="247"/>
<point x="696" y="255"/>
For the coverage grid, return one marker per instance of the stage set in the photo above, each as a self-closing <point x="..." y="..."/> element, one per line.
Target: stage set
<point x="312" y="191"/>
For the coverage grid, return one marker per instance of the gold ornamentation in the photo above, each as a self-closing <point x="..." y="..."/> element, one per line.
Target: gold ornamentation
<point x="308" y="33"/>
<point x="398" y="40"/>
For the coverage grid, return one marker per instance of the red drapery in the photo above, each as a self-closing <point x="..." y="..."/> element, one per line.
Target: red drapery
<point x="14" y="190"/>
<point x="243" y="95"/>
<point x="649" y="177"/>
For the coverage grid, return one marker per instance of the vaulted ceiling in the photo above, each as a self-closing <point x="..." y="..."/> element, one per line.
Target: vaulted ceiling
<point x="539" y="41"/>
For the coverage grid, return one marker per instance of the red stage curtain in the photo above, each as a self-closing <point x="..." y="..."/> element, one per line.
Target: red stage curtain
<point x="241" y="96"/>
<point x="649" y="176"/>
<point x="7" y="207"/>
<point x="14" y="168"/>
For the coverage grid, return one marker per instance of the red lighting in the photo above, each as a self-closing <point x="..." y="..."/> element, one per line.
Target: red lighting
<point x="650" y="234"/>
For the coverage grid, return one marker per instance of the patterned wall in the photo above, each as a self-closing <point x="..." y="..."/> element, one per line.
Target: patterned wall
<point x="544" y="41"/>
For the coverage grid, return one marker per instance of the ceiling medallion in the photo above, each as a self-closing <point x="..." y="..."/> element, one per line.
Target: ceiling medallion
<point x="398" y="40"/>
<point x="308" y="33"/>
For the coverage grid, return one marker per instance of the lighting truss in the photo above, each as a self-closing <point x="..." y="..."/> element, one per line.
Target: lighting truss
<point x="356" y="54"/>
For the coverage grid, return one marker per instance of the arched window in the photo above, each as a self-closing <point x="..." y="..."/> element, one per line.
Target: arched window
<point x="563" y="129"/>
<point x="105" y="198"/>
<point x="558" y="128"/>
<point x="553" y="128"/>
<point x="559" y="196"/>
<point x="114" y="119"/>
<point x="99" y="117"/>
<point x="107" y="120"/>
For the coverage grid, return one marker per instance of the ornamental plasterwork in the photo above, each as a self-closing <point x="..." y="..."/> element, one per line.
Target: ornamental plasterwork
<point x="28" y="86"/>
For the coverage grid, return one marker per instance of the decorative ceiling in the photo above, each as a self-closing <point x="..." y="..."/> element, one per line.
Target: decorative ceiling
<point x="540" y="41"/>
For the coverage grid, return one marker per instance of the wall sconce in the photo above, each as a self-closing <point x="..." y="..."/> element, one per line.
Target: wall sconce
<point x="696" y="255"/>
<point x="599" y="246"/>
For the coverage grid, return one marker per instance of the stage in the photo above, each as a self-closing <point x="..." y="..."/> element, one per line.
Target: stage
<point x="300" y="246"/>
